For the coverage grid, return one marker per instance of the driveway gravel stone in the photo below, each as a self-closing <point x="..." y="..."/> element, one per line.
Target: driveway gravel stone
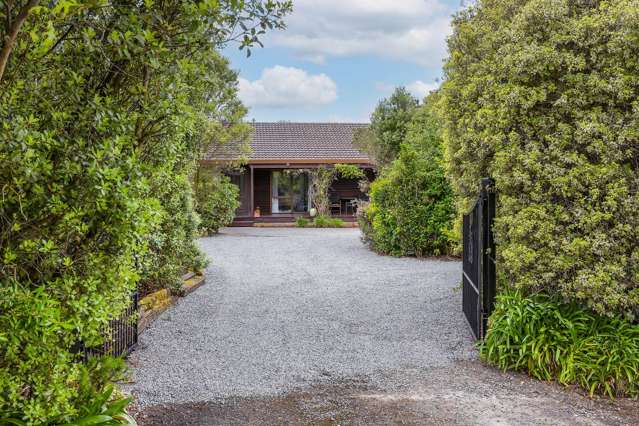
<point x="308" y="326"/>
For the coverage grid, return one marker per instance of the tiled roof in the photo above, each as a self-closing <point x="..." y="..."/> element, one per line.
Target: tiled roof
<point x="298" y="142"/>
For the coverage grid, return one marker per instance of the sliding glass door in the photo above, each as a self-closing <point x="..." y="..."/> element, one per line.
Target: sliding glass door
<point x="289" y="192"/>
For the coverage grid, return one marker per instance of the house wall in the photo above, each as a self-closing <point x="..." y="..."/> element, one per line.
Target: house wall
<point x="345" y="188"/>
<point x="340" y="189"/>
<point x="243" y="181"/>
<point x="262" y="190"/>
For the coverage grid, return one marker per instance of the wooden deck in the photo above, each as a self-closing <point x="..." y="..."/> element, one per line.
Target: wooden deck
<point x="281" y="220"/>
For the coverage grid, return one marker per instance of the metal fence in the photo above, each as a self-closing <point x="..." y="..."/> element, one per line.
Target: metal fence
<point x="121" y="334"/>
<point x="479" y="279"/>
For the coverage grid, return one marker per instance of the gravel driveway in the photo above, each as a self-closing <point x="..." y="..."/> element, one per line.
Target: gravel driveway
<point x="306" y="326"/>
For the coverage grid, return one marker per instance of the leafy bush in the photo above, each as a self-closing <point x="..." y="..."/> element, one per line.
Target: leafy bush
<point x="328" y="222"/>
<point x="554" y="340"/>
<point x="172" y="248"/>
<point x="543" y="96"/>
<point x="104" y="411"/>
<point x="105" y="108"/>
<point x="217" y="200"/>
<point x="411" y="203"/>
<point x="301" y="222"/>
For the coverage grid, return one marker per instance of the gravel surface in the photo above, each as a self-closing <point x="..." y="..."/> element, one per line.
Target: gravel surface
<point x="308" y="326"/>
<point x="284" y="308"/>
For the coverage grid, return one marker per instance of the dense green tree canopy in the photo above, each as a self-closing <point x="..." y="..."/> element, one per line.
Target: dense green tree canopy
<point x="389" y="124"/>
<point x="105" y="107"/>
<point x="543" y="95"/>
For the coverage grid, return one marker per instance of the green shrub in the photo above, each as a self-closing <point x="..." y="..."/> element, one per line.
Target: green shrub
<point x="301" y="222"/>
<point x="552" y="340"/>
<point x="217" y="200"/>
<point x="328" y="222"/>
<point x="172" y="247"/>
<point x="104" y="410"/>
<point x="543" y="96"/>
<point x="105" y="108"/>
<point x="411" y="203"/>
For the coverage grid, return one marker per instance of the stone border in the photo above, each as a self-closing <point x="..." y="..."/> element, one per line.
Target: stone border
<point x="152" y="305"/>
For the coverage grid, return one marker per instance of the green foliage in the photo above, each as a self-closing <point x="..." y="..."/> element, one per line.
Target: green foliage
<point x="543" y="96"/>
<point x="105" y="108"/>
<point x="349" y="171"/>
<point x="103" y="410"/>
<point x="389" y="125"/>
<point x="321" y="180"/>
<point x="217" y="200"/>
<point x="172" y="248"/>
<point x="552" y="340"/>
<point x="411" y="203"/>
<point x="328" y="222"/>
<point x="301" y="222"/>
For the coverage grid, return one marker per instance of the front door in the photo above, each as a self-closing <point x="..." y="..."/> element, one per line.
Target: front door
<point x="289" y="192"/>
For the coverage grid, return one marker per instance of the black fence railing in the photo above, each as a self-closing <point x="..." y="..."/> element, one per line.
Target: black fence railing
<point x="479" y="280"/>
<point x="121" y="334"/>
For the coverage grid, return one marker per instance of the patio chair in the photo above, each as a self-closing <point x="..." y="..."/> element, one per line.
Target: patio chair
<point x="336" y="203"/>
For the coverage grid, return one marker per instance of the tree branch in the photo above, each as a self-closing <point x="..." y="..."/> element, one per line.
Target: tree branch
<point x="12" y="35"/>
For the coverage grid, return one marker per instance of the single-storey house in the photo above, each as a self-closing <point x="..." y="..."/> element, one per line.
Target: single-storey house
<point x="269" y="192"/>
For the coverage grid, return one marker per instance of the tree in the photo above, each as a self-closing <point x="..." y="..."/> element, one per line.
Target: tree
<point x="104" y="110"/>
<point x="411" y="207"/>
<point x="389" y="124"/>
<point x="543" y="96"/>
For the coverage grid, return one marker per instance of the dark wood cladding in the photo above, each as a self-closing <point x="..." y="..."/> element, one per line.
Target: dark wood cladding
<point x="242" y="180"/>
<point x="262" y="190"/>
<point x="345" y="188"/>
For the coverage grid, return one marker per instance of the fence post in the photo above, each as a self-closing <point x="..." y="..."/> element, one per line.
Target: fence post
<point x="487" y="246"/>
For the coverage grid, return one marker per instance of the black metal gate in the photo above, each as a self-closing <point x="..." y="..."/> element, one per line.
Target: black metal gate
<point x="479" y="260"/>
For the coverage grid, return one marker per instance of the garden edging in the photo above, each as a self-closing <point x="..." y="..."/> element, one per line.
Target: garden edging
<point x="152" y="305"/>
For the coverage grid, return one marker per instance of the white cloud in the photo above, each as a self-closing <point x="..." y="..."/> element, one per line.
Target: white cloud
<point x="410" y="30"/>
<point x="287" y="87"/>
<point x="420" y="89"/>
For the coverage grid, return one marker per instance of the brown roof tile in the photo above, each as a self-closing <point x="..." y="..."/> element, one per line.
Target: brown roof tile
<point x="298" y="142"/>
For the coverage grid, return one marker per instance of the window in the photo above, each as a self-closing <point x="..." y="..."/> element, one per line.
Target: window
<point x="289" y="192"/>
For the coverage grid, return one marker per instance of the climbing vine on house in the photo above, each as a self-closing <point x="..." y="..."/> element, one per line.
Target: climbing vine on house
<point x="321" y="180"/>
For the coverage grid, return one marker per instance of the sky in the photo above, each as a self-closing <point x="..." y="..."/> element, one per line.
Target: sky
<point x="338" y="58"/>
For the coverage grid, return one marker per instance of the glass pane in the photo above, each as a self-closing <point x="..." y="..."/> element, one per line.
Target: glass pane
<point x="284" y="204"/>
<point x="290" y="192"/>
<point x="300" y="193"/>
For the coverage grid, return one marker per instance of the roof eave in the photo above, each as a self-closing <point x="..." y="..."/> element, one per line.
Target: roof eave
<point x="292" y="161"/>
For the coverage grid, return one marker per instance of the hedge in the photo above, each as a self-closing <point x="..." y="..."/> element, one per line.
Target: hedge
<point x="543" y="95"/>
<point x="105" y="108"/>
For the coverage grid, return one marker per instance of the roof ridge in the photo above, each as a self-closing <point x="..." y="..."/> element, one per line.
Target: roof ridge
<point x="309" y="122"/>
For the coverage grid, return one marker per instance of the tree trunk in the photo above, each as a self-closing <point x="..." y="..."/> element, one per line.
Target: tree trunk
<point x="12" y="35"/>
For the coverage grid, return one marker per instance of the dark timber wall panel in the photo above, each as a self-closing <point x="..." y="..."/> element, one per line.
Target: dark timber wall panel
<point x="345" y="188"/>
<point x="262" y="188"/>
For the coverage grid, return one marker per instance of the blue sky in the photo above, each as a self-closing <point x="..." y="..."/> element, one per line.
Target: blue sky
<point x="338" y="58"/>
